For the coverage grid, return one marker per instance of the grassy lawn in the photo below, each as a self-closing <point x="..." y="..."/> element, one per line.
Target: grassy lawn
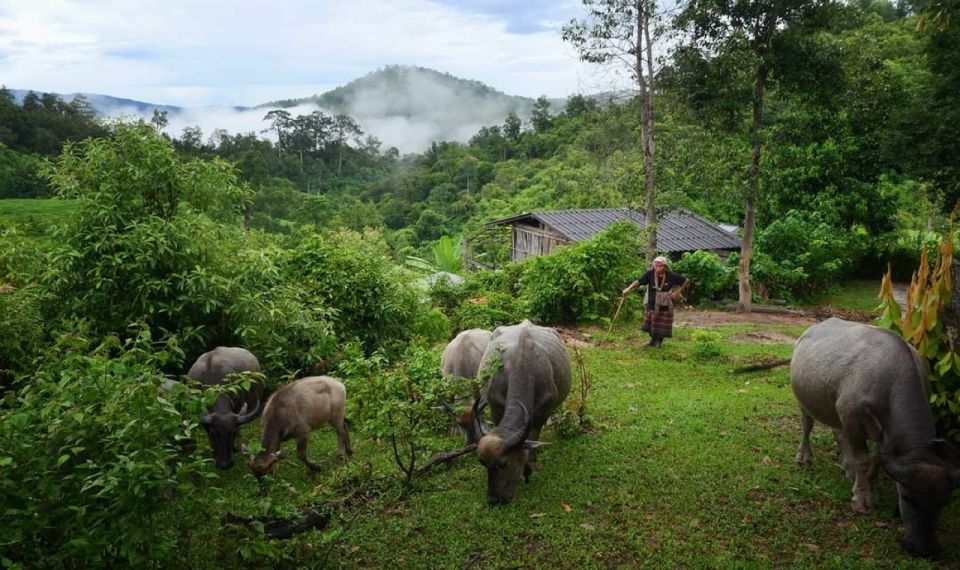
<point x="691" y="466"/>
<point x="35" y="216"/>
<point x="860" y="295"/>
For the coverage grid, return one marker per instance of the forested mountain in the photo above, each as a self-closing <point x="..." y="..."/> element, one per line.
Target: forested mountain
<point x="417" y="106"/>
<point x="105" y="105"/>
<point x="408" y="91"/>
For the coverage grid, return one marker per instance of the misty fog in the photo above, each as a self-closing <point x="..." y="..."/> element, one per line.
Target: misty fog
<point x="408" y="116"/>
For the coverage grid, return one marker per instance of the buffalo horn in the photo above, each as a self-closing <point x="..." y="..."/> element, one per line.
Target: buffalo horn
<point x="243" y="418"/>
<point x="477" y="412"/>
<point x="519" y="436"/>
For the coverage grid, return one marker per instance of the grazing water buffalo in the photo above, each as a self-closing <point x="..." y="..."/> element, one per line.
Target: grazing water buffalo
<point x="293" y="412"/>
<point x="229" y="411"/>
<point x="530" y="378"/>
<point x="868" y="383"/>
<point x="461" y="359"/>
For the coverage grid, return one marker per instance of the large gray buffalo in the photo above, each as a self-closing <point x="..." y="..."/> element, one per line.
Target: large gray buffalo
<point x="229" y="411"/>
<point x="530" y="377"/>
<point x="868" y="383"/>
<point x="461" y="359"/>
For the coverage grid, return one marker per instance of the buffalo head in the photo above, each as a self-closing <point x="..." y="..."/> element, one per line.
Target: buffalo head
<point x="926" y="477"/>
<point x="222" y="429"/>
<point x="505" y="455"/>
<point x="264" y="463"/>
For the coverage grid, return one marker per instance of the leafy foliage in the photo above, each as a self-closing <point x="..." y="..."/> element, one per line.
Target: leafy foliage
<point x="924" y="324"/>
<point x="92" y="449"/>
<point x="395" y="402"/>
<point x="371" y="300"/>
<point x="582" y="281"/>
<point x="710" y="277"/>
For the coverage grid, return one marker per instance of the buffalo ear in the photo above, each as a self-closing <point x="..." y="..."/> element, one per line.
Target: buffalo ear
<point x="531" y="444"/>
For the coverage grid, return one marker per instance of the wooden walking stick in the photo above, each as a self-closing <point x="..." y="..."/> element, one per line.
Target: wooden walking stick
<point x="616" y="314"/>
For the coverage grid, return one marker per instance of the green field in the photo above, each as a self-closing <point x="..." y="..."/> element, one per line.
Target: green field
<point x="691" y="466"/>
<point x="35" y="217"/>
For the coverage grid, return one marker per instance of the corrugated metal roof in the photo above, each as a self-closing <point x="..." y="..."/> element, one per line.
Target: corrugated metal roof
<point x="679" y="230"/>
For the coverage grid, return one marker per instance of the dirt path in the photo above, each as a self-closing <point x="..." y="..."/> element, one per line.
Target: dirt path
<point x="717" y="318"/>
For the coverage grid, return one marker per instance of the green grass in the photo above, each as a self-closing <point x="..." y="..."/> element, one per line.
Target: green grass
<point x="860" y="295"/>
<point x="36" y="216"/>
<point x="692" y="466"/>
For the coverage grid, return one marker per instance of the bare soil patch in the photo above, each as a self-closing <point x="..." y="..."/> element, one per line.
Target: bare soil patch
<point x="764" y="337"/>
<point x="720" y="318"/>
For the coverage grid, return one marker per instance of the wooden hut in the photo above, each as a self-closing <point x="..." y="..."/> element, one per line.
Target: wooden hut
<point x="539" y="233"/>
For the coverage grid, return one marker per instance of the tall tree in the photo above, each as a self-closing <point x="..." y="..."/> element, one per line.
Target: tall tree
<point x="619" y="31"/>
<point x="279" y="122"/>
<point x="739" y="35"/>
<point x="159" y="119"/>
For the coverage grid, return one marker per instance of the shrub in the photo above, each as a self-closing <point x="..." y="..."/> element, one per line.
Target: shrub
<point x="709" y="276"/>
<point x="393" y="404"/>
<point x="486" y="312"/>
<point x="707" y="345"/>
<point x="370" y="299"/>
<point x="805" y="255"/>
<point x="91" y="451"/>
<point x="582" y="281"/>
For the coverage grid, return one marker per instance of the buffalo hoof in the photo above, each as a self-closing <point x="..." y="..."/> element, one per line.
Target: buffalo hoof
<point x="861" y="505"/>
<point x="919" y="551"/>
<point x="803" y="457"/>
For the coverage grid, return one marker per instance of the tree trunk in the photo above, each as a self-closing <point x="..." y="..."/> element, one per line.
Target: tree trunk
<point x="644" y="59"/>
<point x="753" y="189"/>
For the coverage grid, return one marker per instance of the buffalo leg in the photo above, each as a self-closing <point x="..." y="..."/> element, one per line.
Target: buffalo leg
<point x="846" y="455"/>
<point x="302" y="453"/>
<point x="803" y="453"/>
<point x="856" y="439"/>
<point x="344" y="449"/>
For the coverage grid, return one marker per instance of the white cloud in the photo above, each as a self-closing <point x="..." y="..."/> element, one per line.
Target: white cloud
<point x="243" y="53"/>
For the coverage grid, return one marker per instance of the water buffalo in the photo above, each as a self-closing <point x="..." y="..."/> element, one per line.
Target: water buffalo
<point x="229" y="411"/>
<point x="293" y="412"/>
<point x="868" y="383"/>
<point x="529" y="378"/>
<point x="461" y="359"/>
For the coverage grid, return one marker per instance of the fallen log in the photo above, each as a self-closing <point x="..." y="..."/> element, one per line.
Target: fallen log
<point x="317" y="518"/>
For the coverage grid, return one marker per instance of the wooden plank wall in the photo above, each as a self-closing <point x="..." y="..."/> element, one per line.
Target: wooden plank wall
<point x="532" y="242"/>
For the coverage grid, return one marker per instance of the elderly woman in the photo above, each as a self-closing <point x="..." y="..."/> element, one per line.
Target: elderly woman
<point x="663" y="288"/>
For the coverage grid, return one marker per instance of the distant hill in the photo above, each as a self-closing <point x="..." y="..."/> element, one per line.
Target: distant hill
<point x="409" y="107"/>
<point x="404" y="106"/>
<point x="104" y="104"/>
<point x="408" y="91"/>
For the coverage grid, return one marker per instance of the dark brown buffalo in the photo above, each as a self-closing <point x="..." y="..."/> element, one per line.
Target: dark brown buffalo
<point x="229" y="411"/>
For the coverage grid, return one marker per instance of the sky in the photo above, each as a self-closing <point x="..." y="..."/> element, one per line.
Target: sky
<point x="240" y="52"/>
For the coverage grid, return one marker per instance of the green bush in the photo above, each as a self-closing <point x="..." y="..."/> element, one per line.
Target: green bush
<point x="582" y="281"/>
<point x="486" y="312"/>
<point x="707" y="345"/>
<point x="393" y="403"/>
<point x="160" y="241"/>
<point x="370" y="299"/>
<point x="91" y="449"/>
<point x="805" y="256"/>
<point x="710" y="278"/>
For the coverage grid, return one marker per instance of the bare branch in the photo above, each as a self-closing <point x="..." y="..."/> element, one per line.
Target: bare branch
<point x="445" y="457"/>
